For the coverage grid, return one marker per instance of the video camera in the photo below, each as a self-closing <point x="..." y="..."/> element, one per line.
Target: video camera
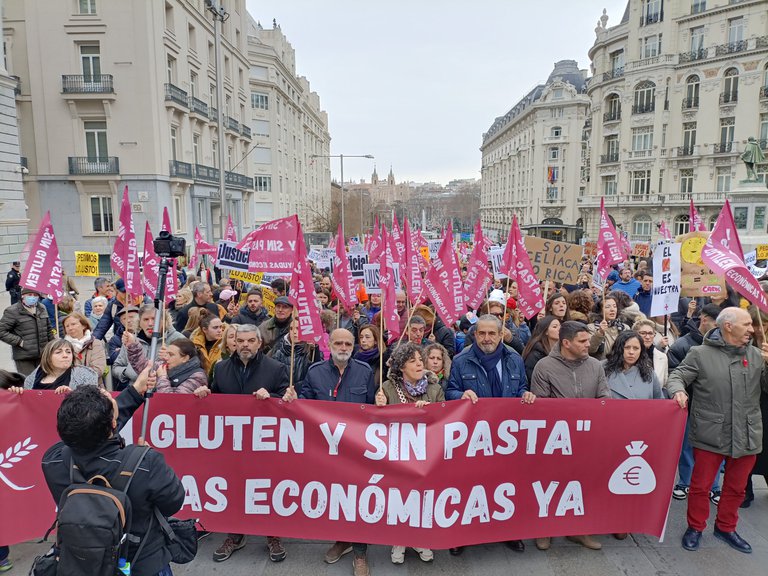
<point x="169" y="246"/>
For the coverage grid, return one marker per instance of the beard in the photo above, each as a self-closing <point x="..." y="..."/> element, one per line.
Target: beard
<point x="341" y="357"/>
<point x="246" y="355"/>
<point x="488" y="348"/>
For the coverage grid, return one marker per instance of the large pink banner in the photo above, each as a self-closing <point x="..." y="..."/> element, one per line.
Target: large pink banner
<point x="42" y="271"/>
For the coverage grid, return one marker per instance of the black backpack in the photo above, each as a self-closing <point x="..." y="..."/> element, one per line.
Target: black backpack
<point x="94" y="518"/>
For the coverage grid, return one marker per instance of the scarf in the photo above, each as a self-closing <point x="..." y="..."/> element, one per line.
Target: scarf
<point x="79" y="344"/>
<point x="489" y="362"/>
<point x="367" y="356"/>
<point x="62" y="380"/>
<point x="182" y="372"/>
<point x="417" y="389"/>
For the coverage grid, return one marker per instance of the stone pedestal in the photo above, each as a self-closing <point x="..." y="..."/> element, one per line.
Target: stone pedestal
<point x="754" y="197"/>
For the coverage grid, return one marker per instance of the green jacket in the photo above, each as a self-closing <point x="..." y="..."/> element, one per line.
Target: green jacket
<point x="723" y="382"/>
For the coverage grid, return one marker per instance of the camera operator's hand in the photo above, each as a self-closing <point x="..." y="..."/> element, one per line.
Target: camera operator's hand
<point x="147" y="380"/>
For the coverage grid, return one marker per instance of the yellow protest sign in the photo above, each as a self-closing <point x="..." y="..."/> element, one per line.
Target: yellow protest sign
<point x="251" y="277"/>
<point x="762" y="252"/>
<point x="268" y="299"/>
<point x="86" y="263"/>
<point x="425" y="252"/>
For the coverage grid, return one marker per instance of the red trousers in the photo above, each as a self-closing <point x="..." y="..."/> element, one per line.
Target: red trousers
<point x="705" y="466"/>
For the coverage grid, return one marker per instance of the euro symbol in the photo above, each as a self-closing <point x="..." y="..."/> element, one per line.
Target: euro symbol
<point x="632" y="476"/>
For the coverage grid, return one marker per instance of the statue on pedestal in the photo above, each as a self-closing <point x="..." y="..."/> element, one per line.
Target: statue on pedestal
<point x="752" y="155"/>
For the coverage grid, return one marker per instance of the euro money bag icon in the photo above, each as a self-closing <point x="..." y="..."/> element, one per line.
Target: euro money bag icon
<point x="634" y="475"/>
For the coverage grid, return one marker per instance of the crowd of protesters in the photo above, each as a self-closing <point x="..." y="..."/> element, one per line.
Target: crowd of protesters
<point x="219" y="337"/>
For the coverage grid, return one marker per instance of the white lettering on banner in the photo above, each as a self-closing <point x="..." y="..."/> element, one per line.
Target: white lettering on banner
<point x="371" y="278"/>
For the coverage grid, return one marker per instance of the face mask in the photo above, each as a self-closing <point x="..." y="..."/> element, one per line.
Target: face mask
<point x="31" y="301"/>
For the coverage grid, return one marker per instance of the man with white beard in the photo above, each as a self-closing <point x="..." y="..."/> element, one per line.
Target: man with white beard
<point x="340" y="379"/>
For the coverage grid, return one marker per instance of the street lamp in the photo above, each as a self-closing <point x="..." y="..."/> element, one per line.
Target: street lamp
<point x="341" y="159"/>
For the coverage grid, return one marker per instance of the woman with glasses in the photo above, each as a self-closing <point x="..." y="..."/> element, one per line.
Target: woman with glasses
<point x="647" y="331"/>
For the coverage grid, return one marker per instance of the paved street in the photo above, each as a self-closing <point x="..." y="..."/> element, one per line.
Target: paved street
<point x="636" y="556"/>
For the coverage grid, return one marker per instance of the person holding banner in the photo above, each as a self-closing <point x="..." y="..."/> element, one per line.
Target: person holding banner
<point x="304" y="354"/>
<point x="725" y="376"/>
<point x="27" y="327"/>
<point x="58" y="371"/>
<point x="89" y="352"/>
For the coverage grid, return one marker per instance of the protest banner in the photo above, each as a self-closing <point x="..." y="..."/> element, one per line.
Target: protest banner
<point x="665" y="293"/>
<point x="125" y="259"/>
<point x="356" y="262"/>
<point x="610" y="244"/>
<point x="553" y="260"/>
<point x="86" y="263"/>
<point x="371" y="274"/>
<point x="42" y="271"/>
<point x="697" y="279"/>
<point x="228" y="257"/>
<point x="250" y="277"/>
<point x="641" y="249"/>
<point x="762" y="252"/>
<point x="272" y="246"/>
<point x="590" y="250"/>
<point x="301" y="292"/>
<point x="444" y="285"/>
<point x="517" y="265"/>
<point x="445" y="475"/>
<point x="750" y="259"/>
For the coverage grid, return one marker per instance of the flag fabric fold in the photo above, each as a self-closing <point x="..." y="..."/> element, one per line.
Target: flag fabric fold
<point x="516" y="264"/>
<point x="341" y="278"/>
<point x="664" y="231"/>
<point x="302" y="292"/>
<point x="444" y="284"/>
<point x="42" y="270"/>
<point x="231" y="234"/>
<point x="478" y="275"/>
<point x="412" y="273"/>
<point x="272" y="246"/>
<point x="125" y="259"/>
<point x="696" y="224"/>
<point x="152" y="271"/>
<point x="387" y="284"/>
<point x="609" y="244"/>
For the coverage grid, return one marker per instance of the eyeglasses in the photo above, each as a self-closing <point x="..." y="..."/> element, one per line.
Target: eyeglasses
<point x="646" y="333"/>
<point x="497" y="314"/>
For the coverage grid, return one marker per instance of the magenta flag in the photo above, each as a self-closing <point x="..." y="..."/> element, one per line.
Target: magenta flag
<point x="664" y="231"/>
<point x="376" y="245"/>
<point x="231" y="234"/>
<point x="444" y="284"/>
<point x="478" y="275"/>
<point x="42" y="271"/>
<point x="609" y="244"/>
<point x="203" y="247"/>
<point x="722" y="253"/>
<point x="152" y="271"/>
<point x="516" y="264"/>
<point x="412" y="273"/>
<point x="302" y="291"/>
<point x="125" y="258"/>
<point x="166" y="227"/>
<point x="273" y="245"/>
<point x="387" y="284"/>
<point x="696" y="224"/>
<point x="343" y="283"/>
<point x="397" y="238"/>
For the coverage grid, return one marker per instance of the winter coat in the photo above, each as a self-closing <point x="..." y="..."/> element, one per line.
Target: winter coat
<point x="468" y="374"/>
<point x="12" y="280"/>
<point x="660" y="366"/>
<point x="678" y="351"/>
<point x="630" y="385"/>
<point x="557" y="377"/>
<point x="208" y="357"/>
<point x="124" y="371"/>
<point x="80" y="376"/>
<point x="724" y="382"/>
<point x="272" y="333"/>
<point x="304" y="355"/>
<point x="155" y="485"/>
<point x="356" y="384"/>
<point x="231" y="376"/>
<point x="94" y="357"/>
<point x="643" y="299"/>
<point x="26" y="333"/>
<point x="445" y="336"/>
<point x="183" y="379"/>
<point x="600" y="344"/>
<point x="536" y="353"/>
<point x="348" y="323"/>
<point x="245" y="316"/>
<point x="434" y="392"/>
<point x="183" y="316"/>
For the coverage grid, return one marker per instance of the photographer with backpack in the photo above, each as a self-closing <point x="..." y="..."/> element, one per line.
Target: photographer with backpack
<point x="112" y="498"/>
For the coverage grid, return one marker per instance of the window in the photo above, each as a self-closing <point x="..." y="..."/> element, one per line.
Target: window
<point x="652" y="11"/>
<point x="724" y="179"/>
<point x="174" y="143"/>
<point x="96" y="141"/>
<point x="642" y="226"/>
<point x="692" y="85"/>
<point x="617" y="63"/>
<point x="169" y="24"/>
<point x="557" y="94"/>
<point x="686" y="182"/>
<point x="554" y="153"/>
<point x="260" y="101"/>
<point x="557" y="113"/>
<point x="740" y="216"/>
<point x="552" y="193"/>
<point x="553" y="173"/>
<point x="612" y="148"/>
<point x="644" y="97"/>
<point x="697" y="39"/>
<point x="689" y="137"/>
<point x="261" y="128"/>
<point x="735" y="30"/>
<point x="641" y="183"/>
<point x="178" y="214"/>
<point x="102" y="219"/>
<point x="759" y="222"/>
<point x="609" y="185"/>
<point x="556" y="131"/>
<point x="262" y="155"/>
<point x="642" y="138"/>
<point x="171" y="69"/>
<point x="229" y="157"/>
<point x="727" y="126"/>
<point x="263" y="183"/>
<point x="650" y="46"/>
<point x="259" y="72"/>
<point x="196" y="148"/>
<point x="193" y="90"/>
<point x="730" y="85"/>
<point x="87" y="6"/>
<point x="212" y="97"/>
<point x="192" y="38"/>
<point x="90" y="59"/>
<point x="201" y="213"/>
<point x="764" y="131"/>
<point x="613" y="108"/>
<point x="682" y="225"/>
<point x="215" y="153"/>
<point x="698" y="6"/>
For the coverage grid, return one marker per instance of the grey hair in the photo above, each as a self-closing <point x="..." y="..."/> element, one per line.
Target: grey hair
<point x="99" y="300"/>
<point x="243" y="328"/>
<point x="146" y="308"/>
<point x="491" y="318"/>
<point x="198" y="288"/>
<point x="730" y="314"/>
<point x="417" y="320"/>
<point x="100" y="281"/>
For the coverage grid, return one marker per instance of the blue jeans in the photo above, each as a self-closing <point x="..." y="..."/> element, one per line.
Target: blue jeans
<point x="165" y="571"/>
<point x="685" y="463"/>
<point x="4" y="552"/>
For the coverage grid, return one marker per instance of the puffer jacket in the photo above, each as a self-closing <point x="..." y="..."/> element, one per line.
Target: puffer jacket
<point x="679" y="350"/>
<point x="183" y="379"/>
<point x="245" y="316"/>
<point x="26" y="333"/>
<point x="208" y="357"/>
<point x="724" y="382"/>
<point x="557" y="377"/>
<point x="124" y="371"/>
<point x="468" y="374"/>
<point x="81" y="376"/>
<point x="304" y="355"/>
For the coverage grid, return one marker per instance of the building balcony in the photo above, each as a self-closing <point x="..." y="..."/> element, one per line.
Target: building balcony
<point x="238" y="180"/>
<point x="245" y="131"/>
<point x="197" y="106"/>
<point x="691" y="103"/>
<point x="722" y="148"/>
<point x="612" y="116"/>
<point x="692" y="56"/>
<point x="206" y="173"/>
<point x="610" y="158"/>
<point x="668" y="59"/>
<point x="731" y="48"/>
<point x="232" y="124"/>
<point x="653" y="18"/>
<point x="621" y="200"/>
<point x="683" y="151"/>
<point x="86" y="166"/>
<point x="643" y="108"/>
<point x="699" y="198"/>
<point x="729" y="97"/>
<point x="636" y="154"/>
<point x="613" y="74"/>
<point x="17" y="85"/>
<point x="87" y="84"/>
<point x="764" y="93"/>
<point x="182" y="170"/>
<point x="214" y="114"/>
<point x="176" y="95"/>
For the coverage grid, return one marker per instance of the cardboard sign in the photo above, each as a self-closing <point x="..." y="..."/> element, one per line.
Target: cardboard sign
<point x="433" y="246"/>
<point x="424" y="250"/>
<point x="250" y="277"/>
<point x="553" y="260"/>
<point x="762" y="252"/>
<point x="496" y="253"/>
<point x="268" y="299"/>
<point x="86" y="263"/>
<point x="641" y="249"/>
<point x="698" y="279"/>
<point x="590" y="250"/>
<point x="228" y="257"/>
<point x="371" y="278"/>
<point x="356" y="262"/>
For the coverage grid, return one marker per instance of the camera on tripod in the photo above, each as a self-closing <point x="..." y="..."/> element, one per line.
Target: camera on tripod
<point x="168" y="246"/>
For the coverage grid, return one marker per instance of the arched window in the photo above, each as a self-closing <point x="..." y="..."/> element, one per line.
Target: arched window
<point x="641" y="227"/>
<point x="691" y="92"/>
<point x="644" y="97"/>
<point x="682" y="225"/>
<point x="612" y="108"/>
<point x="730" y="86"/>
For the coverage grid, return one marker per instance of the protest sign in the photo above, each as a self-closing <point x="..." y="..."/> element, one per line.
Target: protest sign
<point x="356" y="262"/>
<point x="352" y="472"/>
<point x="371" y="278"/>
<point x="433" y="247"/>
<point x="762" y="252"/>
<point x="424" y="250"/>
<point x="268" y="299"/>
<point x="641" y="249"/>
<point x="228" y="257"/>
<point x="697" y="279"/>
<point x="86" y="263"/>
<point x="553" y="260"/>
<point x="250" y="277"/>
<point x="496" y="253"/>
<point x="590" y="250"/>
<point x="750" y="259"/>
<point x="665" y="293"/>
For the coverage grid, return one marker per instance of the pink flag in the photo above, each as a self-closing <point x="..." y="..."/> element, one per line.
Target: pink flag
<point x="125" y="259"/>
<point x="478" y="274"/>
<point x="517" y="265"/>
<point x="397" y="238"/>
<point x="343" y="283"/>
<point x="302" y="291"/>
<point x="273" y="245"/>
<point x="696" y="224"/>
<point x="152" y="271"/>
<point x="722" y="253"/>
<point x="231" y="234"/>
<point x="42" y="271"/>
<point x="387" y="285"/>
<point x="412" y="273"/>
<point x="609" y="246"/>
<point x="625" y="245"/>
<point x="166" y="227"/>
<point x="376" y="245"/>
<point x="664" y="231"/>
<point x="444" y="284"/>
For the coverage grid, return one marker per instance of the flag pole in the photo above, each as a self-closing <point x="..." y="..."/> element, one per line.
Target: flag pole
<point x="381" y="347"/>
<point x="504" y="320"/>
<point x="410" y="315"/>
<point x="56" y="319"/>
<point x="603" y="300"/>
<point x="293" y="345"/>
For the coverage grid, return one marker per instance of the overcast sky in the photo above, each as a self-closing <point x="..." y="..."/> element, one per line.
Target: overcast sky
<point x="416" y="83"/>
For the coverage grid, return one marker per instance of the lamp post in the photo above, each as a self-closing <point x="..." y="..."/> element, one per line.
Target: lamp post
<point x="341" y="159"/>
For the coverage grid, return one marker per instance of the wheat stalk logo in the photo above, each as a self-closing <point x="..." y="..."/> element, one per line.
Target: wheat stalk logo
<point x="12" y="456"/>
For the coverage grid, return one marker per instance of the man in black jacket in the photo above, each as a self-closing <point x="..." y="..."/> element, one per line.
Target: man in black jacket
<point x="248" y="371"/>
<point x="88" y="422"/>
<point x="202" y="297"/>
<point x="12" y="282"/>
<point x="253" y="311"/>
<point x="697" y="327"/>
<point x="26" y="326"/>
